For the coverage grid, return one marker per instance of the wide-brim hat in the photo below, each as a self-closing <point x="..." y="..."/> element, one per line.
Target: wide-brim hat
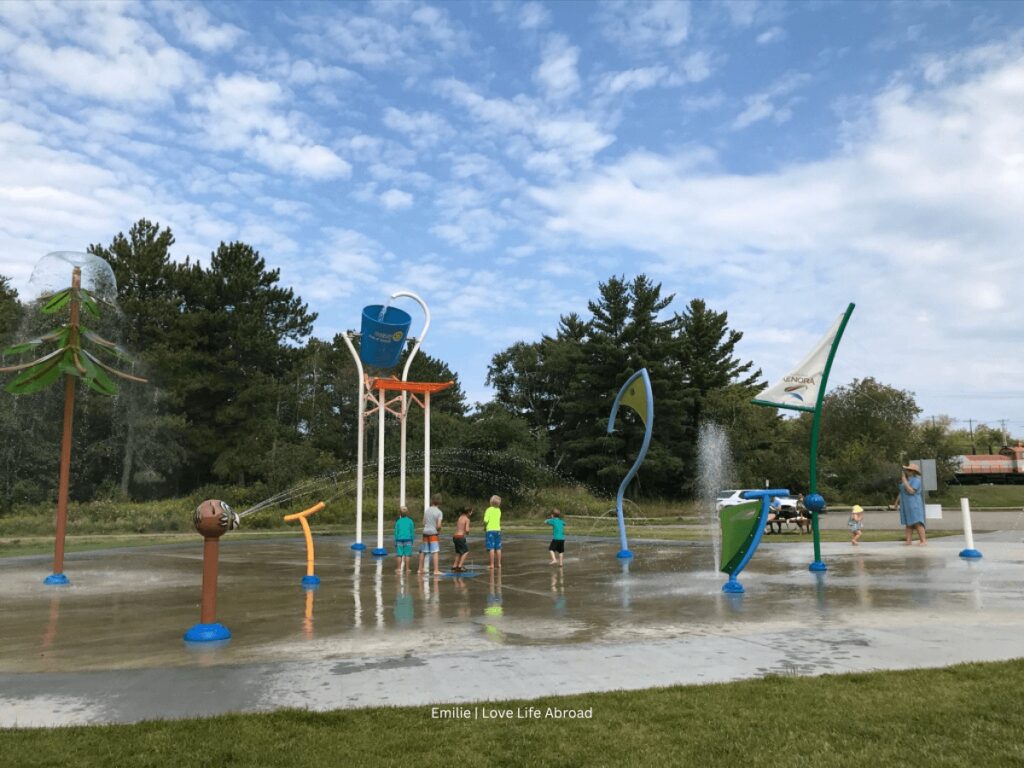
<point x="857" y="509"/>
<point x="913" y="468"/>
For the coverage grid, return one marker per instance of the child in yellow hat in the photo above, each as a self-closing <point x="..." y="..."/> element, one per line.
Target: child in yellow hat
<point x="855" y="523"/>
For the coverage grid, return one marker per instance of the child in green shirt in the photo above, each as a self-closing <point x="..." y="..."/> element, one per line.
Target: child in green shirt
<point x="492" y="530"/>
<point x="405" y="532"/>
<point x="557" y="545"/>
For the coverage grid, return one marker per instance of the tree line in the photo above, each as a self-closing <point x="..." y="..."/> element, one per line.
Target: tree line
<point x="242" y="393"/>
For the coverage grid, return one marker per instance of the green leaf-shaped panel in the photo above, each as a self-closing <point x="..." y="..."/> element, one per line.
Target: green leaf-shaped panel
<point x="739" y="526"/>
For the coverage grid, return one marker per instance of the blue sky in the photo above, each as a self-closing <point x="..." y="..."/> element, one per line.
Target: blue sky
<point x="500" y="159"/>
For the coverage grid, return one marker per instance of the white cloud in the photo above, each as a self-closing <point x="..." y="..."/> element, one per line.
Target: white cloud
<point x="388" y="35"/>
<point x="766" y="104"/>
<point x="423" y="129"/>
<point x="918" y="220"/>
<point x="471" y="230"/>
<point x="246" y="114"/>
<point x="197" y="26"/>
<point x="305" y="72"/>
<point x="529" y="132"/>
<point x="104" y="52"/>
<point x="742" y="12"/>
<point x="644" y="25"/>
<point x="533" y="15"/>
<point x="771" y="35"/>
<point x="348" y="261"/>
<point x="396" y="199"/>
<point x="630" y="80"/>
<point x="557" y="73"/>
<point x="697" y="66"/>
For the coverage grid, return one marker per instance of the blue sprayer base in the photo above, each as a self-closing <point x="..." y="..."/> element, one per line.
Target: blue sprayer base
<point x="733" y="587"/>
<point x="207" y="633"/>
<point x="970" y="554"/>
<point x="310" y="581"/>
<point x="60" y="580"/>
<point x="359" y="546"/>
<point x="817" y="567"/>
<point x="624" y="554"/>
<point x="380" y="552"/>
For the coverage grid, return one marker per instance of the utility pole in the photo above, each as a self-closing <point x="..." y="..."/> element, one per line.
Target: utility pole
<point x="970" y="427"/>
<point x="1006" y="437"/>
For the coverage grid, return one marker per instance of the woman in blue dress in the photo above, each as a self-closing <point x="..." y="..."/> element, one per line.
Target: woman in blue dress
<point x="911" y="503"/>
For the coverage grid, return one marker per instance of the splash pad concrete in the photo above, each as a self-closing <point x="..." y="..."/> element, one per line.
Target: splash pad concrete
<point x="108" y="649"/>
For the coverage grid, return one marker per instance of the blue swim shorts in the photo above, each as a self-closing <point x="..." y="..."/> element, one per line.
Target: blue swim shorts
<point x="493" y="539"/>
<point x="403" y="548"/>
<point x="430" y="544"/>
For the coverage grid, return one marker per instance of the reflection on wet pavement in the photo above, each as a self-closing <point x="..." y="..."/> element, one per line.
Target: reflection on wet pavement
<point x="108" y="649"/>
<point x="128" y="609"/>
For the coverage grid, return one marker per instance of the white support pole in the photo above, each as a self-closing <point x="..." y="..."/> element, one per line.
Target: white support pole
<point x="401" y="468"/>
<point x="969" y="553"/>
<point x="358" y="546"/>
<point x="405" y="377"/>
<point x="380" y="473"/>
<point x="426" y="450"/>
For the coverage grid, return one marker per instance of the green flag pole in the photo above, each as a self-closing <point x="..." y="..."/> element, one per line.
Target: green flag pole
<point x="818" y="503"/>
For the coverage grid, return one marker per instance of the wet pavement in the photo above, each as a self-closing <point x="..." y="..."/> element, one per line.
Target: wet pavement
<point x="109" y="647"/>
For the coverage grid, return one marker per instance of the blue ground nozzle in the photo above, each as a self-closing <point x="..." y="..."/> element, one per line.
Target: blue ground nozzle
<point x="359" y="546"/>
<point x="970" y="554"/>
<point x="60" y="580"/>
<point x="207" y="633"/>
<point x="733" y="587"/>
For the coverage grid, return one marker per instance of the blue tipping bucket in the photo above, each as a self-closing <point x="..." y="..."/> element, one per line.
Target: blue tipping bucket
<point x="383" y="338"/>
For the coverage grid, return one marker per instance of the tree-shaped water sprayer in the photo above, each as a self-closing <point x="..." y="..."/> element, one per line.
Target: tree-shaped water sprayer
<point x="70" y="352"/>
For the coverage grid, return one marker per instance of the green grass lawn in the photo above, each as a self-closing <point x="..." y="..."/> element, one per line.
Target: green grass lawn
<point x="981" y="496"/>
<point x="966" y="715"/>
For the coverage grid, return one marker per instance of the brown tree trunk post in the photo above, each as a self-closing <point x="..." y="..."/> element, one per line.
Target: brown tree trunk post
<point x="64" y="483"/>
<point x="212" y="519"/>
<point x="211" y="553"/>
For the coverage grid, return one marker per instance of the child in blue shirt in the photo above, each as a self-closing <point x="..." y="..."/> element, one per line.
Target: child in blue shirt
<point x="557" y="545"/>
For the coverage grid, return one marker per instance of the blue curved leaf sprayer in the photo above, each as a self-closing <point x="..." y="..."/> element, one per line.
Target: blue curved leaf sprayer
<point x="635" y="393"/>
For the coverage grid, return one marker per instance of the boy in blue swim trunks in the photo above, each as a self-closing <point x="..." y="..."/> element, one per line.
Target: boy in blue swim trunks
<point x="492" y="530"/>
<point x="405" y="532"/>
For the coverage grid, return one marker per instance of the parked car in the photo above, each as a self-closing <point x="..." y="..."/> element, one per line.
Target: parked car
<point x="732" y="497"/>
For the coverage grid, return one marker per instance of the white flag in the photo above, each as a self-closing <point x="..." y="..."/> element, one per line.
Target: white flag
<point x="799" y="390"/>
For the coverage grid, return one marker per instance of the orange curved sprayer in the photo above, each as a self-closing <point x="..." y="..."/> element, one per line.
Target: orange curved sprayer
<point x="301" y="517"/>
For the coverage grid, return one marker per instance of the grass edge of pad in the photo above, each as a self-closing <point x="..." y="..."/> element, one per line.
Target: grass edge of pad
<point x="949" y="716"/>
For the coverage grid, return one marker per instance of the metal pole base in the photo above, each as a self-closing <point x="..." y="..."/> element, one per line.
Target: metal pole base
<point x="310" y="581"/>
<point x="970" y="554"/>
<point x="359" y="546"/>
<point x="60" y="580"/>
<point x="624" y="554"/>
<point x="207" y="633"/>
<point x="380" y="552"/>
<point x="817" y="567"/>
